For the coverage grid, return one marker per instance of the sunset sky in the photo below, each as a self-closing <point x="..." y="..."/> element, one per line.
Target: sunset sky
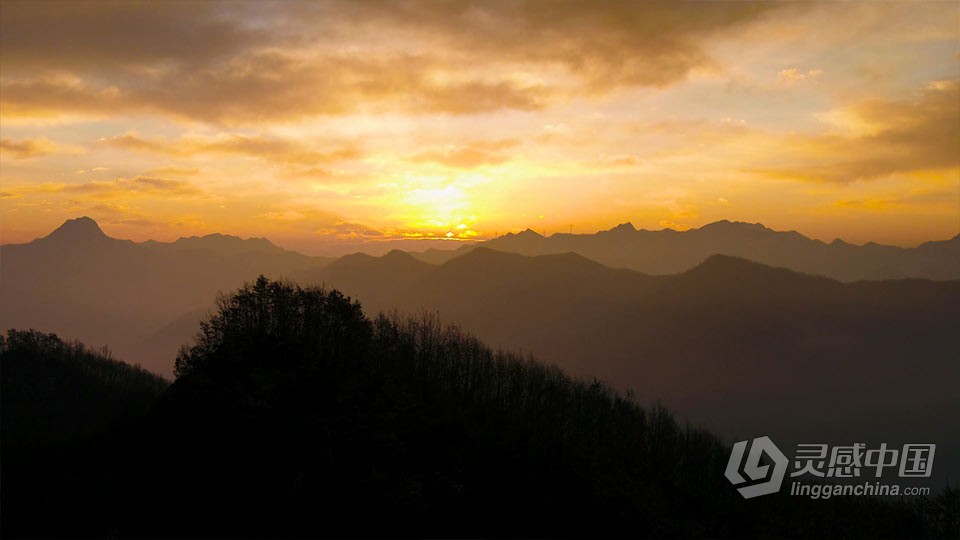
<point x="324" y="124"/>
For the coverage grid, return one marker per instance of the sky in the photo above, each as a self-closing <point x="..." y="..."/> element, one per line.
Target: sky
<point x="322" y="125"/>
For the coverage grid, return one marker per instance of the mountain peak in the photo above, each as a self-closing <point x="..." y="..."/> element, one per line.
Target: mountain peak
<point x="725" y="224"/>
<point x="78" y="229"/>
<point x="529" y="233"/>
<point x="721" y="261"/>
<point x="225" y="243"/>
<point x="740" y="270"/>
<point x="623" y="228"/>
<point x="398" y="255"/>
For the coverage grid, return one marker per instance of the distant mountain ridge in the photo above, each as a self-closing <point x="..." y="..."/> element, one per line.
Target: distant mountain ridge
<point x="668" y="251"/>
<point x="142" y="298"/>
<point x="83" y="284"/>
<point x="86" y="232"/>
<point x="742" y="346"/>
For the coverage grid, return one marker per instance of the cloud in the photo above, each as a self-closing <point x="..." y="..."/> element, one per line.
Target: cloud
<point x="889" y="136"/>
<point x="468" y="156"/>
<point x="619" y="160"/>
<point x="121" y="187"/>
<point x="346" y="230"/>
<point x="160" y="184"/>
<point x="174" y="171"/>
<point x="287" y="215"/>
<point x="128" y="35"/>
<point x="131" y="141"/>
<point x="557" y="129"/>
<point x="792" y="76"/>
<point x="136" y="222"/>
<point x="605" y="44"/>
<point x="262" y="147"/>
<point x="27" y="148"/>
<point x="867" y="204"/>
<point x="272" y="86"/>
<point x="221" y="62"/>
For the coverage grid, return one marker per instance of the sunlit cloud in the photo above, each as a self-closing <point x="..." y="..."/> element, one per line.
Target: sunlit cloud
<point x="119" y="188"/>
<point x="271" y="149"/>
<point x="31" y="148"/>
<point x="315" y="123"/>
<point x="284" y="216"/>
<point x="886" y="137"/>
<point x="792" y="76"/>
<point x="619" y="160"/>
<point x="467" y="156"/>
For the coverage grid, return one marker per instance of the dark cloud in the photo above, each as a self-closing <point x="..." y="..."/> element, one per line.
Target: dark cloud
<point x="272" y="86"/>
<point x="104" y="36"/>
<point x="243" y="62"/>
<point x="607" y="43"/>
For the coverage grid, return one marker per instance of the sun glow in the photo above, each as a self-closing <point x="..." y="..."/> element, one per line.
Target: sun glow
<point x="438" y="205"/>
<point x="321" y="132"/>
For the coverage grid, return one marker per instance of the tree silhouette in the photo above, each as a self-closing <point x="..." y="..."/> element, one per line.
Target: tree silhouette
<point x="293" y="414"/>
<point x="275" y="321"/>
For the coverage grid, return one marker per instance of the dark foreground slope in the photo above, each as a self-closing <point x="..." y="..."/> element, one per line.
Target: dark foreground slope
<point x="62" y="407"/>
<point x="54" y="391"/>
<point x="743" y="348"/>
<point x="294" y="415"/>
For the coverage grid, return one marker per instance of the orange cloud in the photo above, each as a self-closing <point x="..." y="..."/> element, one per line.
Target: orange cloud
<point x="619" y="160"/>
<point x="121" y="187"/>
<point x="468" y="156"/>
<point x="266" y="148"/>
<point x="892" y="137"/>
<point x="27" y="148"/>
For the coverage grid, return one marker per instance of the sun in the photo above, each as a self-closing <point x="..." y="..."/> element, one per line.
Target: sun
<point x="440" y="206"/>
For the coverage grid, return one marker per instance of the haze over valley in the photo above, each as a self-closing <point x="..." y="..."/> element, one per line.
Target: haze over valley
<point x="735" y="345"/>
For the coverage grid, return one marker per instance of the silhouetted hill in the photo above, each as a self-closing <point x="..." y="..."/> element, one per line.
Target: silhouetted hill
<point x="395" y="263"/>
<point x="223" y="245"/>
<point x="55" y="391"/>
<point x="742" y="347"/>
<point x="668" y="251"/>
<point x="82" y="284"/>
<point x="65" y="411"/>
<point x="295" y="415"/>
<point x="485" y="260"/>
<point x="81" y="230"/>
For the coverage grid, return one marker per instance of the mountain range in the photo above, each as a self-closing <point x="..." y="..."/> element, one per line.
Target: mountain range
<point x="668" y="251"/>
<point x="88" y="286"/>
<point x="741" y="347"/>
